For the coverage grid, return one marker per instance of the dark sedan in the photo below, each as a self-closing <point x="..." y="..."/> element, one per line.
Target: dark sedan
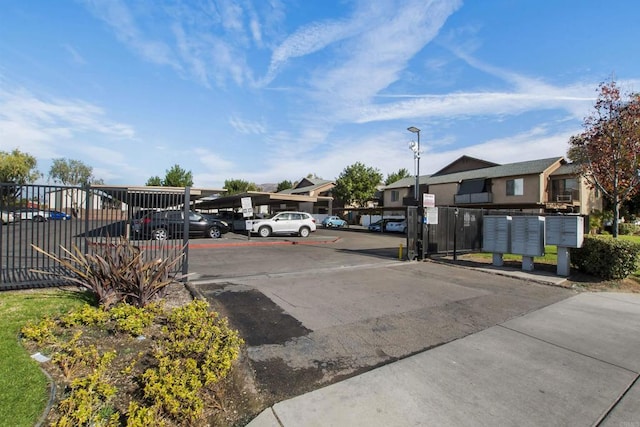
<point x="169" y="224"/>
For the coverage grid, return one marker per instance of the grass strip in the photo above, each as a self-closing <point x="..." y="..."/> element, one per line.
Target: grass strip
<point x="24" y="387"/>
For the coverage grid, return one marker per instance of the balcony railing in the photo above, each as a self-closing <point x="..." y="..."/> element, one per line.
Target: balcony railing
<point x="473" y="198"/>
<point x="567" y="197"/>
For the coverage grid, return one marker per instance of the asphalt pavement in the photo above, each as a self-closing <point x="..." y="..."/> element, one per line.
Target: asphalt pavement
<point x="572" y="363"/>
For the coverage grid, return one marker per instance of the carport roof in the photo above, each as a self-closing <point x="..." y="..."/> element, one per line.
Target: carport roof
<point x="258" y="198"/>
<point x="151" y="196"/>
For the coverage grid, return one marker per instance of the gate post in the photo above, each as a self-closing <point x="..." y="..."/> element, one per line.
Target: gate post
<point x="185" y="237"/>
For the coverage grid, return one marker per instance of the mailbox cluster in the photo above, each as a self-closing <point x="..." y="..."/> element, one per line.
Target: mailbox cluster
<point x="527" y="236"/>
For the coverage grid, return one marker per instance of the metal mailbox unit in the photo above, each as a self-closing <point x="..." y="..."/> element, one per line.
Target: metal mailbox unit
<point x="496" y="237"/>
<point x="527" y="238"/>
<point x="565" y="232"/>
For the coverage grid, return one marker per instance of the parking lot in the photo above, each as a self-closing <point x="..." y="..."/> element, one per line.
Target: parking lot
<point x="317" y="310"/>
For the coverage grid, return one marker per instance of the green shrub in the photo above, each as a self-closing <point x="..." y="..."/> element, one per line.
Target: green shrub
<point x="169" y="380"/>
<point x="131" y="319"/>
<point x="627" y="228"/>
<point x="196" y="350"/>
<point x="86" y="315"/>
<point x="41" y="332"/>
<point x="88" y="403"/>
<point x="606" y="257"/>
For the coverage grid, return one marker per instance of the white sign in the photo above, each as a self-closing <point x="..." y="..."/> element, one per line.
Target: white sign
<point x="247" y="207"/>
<point x="428" y="200"/>
<point x="431" y="216"/>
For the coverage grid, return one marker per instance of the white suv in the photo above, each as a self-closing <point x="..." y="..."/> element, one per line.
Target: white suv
<point x="300" y="223"/>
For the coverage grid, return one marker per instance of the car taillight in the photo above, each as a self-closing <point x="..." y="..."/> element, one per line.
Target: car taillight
<point x="314" y="220"/>
<point x="146" y="220"/>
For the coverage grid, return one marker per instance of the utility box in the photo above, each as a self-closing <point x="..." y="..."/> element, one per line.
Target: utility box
<point x="496" y="236"/>
<point x="527" y="238"/>
<point x="566" y="231"/>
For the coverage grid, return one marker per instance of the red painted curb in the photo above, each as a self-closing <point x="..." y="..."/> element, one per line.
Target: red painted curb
<point x="252" y="243"/>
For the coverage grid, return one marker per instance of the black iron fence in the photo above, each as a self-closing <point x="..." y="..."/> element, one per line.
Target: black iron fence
<point x="65" y="220"/>
<point x="458" y="229"/>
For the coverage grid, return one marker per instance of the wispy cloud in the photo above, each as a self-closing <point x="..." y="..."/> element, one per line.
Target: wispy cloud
<point x="118" y="16"/>
<point x="54" y="117"/>
<point x="477" y="104"/>
<point x="47" y="127"/>
<point x="76" y="57"/>
<point x="247" y="127"/>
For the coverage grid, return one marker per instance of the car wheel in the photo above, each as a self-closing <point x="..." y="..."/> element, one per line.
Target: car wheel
<point x="214" y="233"/>
<point x="304" y="232"/>
<point x="38" y="218"/>
<point x="264" y="231"/>
<point x="159" y="234"/>
<point x="404" y="230"/>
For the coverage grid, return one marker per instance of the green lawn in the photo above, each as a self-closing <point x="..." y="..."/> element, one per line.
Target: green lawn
<point x="24" y="387"/>
<point x="550" y="256"/>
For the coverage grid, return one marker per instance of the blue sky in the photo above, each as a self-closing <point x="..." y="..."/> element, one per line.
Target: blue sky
<point x="268" y="90"/>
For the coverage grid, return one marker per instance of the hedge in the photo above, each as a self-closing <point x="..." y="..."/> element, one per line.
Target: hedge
<point x="606" y="257"/>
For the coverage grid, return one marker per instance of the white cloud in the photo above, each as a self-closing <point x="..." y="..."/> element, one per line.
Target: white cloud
<point x="247" y="127"/>
<point x="118" y="16"/>
<point x="50" y="128"/>
<point x="76" y="57"/>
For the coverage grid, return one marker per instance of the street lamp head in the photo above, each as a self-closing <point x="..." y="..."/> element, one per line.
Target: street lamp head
<point x="413" y="129"/>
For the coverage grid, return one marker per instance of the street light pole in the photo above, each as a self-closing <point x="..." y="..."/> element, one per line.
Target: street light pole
<point x="415" y="236"/>
<point x="416" y="156"/>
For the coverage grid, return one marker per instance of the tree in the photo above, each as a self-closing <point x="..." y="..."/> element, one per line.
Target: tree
<point x="72" y="172"/>
<point x="178" y="177"/>
<point x="608" y="151"/>
<point x="313" y="176"/>
<point x="357" y="184"/>
<point x="236" y="186"/>
<point x="396" y="176"/>
<point x="284" y="185"/>
<point x="16" y="169"/>
<point x="174" y="177"/>
<point x="154" y="181"/>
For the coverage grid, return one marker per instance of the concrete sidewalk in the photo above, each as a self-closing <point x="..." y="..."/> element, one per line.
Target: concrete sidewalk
<point x="575" y="362"/>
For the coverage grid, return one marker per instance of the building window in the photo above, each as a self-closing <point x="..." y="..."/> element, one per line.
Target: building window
<point x="395" y="195"/>
<point x="515" y="187"/>
<point x="565" y="190"/>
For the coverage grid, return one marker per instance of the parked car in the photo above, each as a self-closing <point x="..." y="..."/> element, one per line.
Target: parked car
<point x="57" y="215"/>
<point x="166" y="224"/>
<point x="375" y="226"/>
<point x="32" y="214"/>
<point x="300" y="223"/>
<point x="334" y="221"/>
<point x="397" y="226"/>
<point x="6" y="217"/>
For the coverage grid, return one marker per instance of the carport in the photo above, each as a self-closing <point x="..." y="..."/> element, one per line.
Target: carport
<point x="275" y="202"/>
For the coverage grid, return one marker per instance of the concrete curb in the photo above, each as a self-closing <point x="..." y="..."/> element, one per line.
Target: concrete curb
<point x="541" y="277"/>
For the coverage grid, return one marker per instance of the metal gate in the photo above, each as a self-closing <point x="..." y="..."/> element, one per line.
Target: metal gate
<point x="458" y="229"/>
<point x="54" y="218"/>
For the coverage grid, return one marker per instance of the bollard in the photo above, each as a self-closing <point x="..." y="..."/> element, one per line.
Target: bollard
<point x="400" y="252"/>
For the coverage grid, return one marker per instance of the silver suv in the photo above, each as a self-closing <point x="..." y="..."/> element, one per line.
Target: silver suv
<point x="300" y="223"/>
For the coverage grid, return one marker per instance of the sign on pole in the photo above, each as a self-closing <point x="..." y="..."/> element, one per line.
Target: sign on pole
<point x="247" y="207"/>
<point x="428" y="200"/>
<point x="431" y="216"/>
